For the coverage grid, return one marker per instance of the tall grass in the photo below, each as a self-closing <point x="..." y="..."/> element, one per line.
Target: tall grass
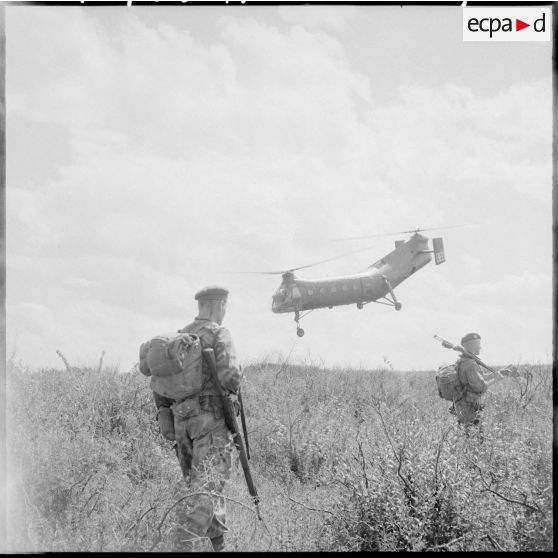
<point x="344" y="460"/>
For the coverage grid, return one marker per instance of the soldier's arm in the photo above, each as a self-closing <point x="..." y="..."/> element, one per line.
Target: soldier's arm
<point x="491" y="377"/>
<point x="509" y="371"/>
<point x="228" y="370"/>
<point x="472" y="374"/>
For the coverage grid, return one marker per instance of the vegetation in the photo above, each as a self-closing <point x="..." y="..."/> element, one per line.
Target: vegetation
<point x="344" y="460"/>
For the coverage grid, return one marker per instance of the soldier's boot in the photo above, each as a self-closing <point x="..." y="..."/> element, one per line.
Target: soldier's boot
<point x="183" y="545"/>
<point x="183" y="540"/>
<point x="218" y="543"/>
<point x="480" y="433"/>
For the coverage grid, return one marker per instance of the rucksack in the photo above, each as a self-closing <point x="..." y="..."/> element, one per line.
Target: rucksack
<point x="174" y="362"/>
<point x="449" y="385"/>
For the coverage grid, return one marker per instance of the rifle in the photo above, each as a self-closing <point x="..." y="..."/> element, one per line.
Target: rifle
<point x="243" y="420"/>
<point x="230" y="421"/>
<point x="460" y="349"/>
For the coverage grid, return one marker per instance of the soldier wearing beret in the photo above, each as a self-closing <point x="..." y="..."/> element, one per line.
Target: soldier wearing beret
<point x="203" y="442"/>
<point x="475" y="383"/>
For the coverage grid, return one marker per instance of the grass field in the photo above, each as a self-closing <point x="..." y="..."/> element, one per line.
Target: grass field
<point x="344" y="460"/>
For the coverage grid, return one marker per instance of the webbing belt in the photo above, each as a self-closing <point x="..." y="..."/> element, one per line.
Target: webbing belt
<point x="204" y="400"/>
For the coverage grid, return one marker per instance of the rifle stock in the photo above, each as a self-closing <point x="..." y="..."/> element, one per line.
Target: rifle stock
<point x="232" y="425"/>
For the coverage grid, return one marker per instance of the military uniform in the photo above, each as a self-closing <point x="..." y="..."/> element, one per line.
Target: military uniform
<point x="468" y="408"/>
<point x="203" y="441"/>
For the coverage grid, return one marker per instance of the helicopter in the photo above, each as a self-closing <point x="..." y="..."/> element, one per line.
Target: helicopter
<point x="375" y="284"/>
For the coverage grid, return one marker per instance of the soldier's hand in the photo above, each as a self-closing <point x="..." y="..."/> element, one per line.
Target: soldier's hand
<point x="514" y="372"/>
<point x="236" y="407"/>
<point x="510" y="371"/>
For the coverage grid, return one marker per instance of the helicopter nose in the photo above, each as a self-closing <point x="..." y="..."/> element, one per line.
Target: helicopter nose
<point x="277" y="305"/>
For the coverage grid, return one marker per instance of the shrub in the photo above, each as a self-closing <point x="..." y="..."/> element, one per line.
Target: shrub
<point x="343" y="460"/>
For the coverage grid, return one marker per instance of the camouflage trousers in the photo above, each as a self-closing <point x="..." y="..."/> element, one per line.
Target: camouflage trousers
<point x="468" y="410"/>
<point x="203" y="447"/>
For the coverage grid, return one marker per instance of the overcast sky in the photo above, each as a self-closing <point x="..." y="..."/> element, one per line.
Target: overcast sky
<point x="154" y="150"/>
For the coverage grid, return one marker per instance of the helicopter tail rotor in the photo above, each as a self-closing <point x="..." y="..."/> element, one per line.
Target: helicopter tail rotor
<point x="438" y="248"/>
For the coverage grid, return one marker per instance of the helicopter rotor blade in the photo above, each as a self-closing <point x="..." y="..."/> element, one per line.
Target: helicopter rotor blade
<point x="398" y="232"/>
<point x="260" y="272"/>
<point x="333" y="258"/>
<point x="307" y="265"/>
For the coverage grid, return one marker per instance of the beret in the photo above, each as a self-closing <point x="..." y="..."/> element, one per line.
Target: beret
<point x="212" y="293"/>
<point x="470" y="337"/>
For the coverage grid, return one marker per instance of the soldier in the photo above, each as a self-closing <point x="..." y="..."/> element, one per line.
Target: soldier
<point x="468" y="408"/>
<point x="203" y="442"/>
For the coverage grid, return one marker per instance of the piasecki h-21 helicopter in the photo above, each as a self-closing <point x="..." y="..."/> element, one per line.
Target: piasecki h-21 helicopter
<point x="375" y="284"/>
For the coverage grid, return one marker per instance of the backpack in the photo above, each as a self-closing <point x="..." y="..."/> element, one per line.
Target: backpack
<point x="449" y="385"/>
<point x="174" y="362"/>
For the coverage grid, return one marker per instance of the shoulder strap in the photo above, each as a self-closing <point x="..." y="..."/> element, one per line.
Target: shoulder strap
<point x="199" y="330"/>
<point x="458" y="369"/>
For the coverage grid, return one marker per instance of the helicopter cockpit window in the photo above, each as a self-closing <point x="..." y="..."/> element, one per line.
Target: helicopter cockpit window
<point x="280" y="295"/>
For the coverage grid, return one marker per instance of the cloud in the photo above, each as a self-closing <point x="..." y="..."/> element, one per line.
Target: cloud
<point x="175" y="159"/>
<point x="526" y="284"/>
<point x="336" y="19"/>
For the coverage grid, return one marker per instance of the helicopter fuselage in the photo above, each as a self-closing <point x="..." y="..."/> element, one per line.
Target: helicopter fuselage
<point x="296" y="294"/>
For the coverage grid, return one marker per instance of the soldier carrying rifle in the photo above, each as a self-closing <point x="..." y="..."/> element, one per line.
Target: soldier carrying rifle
<point x="193" y="375"/>
<point x="473" y="382"/>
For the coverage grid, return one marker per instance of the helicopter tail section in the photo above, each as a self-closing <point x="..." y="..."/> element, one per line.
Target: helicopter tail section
<point x="439" y="254"/>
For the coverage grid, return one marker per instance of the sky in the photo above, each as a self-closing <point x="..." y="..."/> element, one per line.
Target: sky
<point x="155" y="150"/>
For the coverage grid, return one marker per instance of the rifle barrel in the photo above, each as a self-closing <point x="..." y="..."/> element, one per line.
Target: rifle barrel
<point x="243" y="420"/>
<point x="230" y="420"/>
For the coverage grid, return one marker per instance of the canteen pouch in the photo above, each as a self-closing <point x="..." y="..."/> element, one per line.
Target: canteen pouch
<point x="165" y="418"/>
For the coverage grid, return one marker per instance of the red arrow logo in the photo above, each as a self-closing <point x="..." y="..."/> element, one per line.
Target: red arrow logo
<point x="519" y="25"/>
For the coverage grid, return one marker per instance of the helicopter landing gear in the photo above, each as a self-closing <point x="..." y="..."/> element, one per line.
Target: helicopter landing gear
<point x="394" y="302"/>
<point x="299" y="330"/>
